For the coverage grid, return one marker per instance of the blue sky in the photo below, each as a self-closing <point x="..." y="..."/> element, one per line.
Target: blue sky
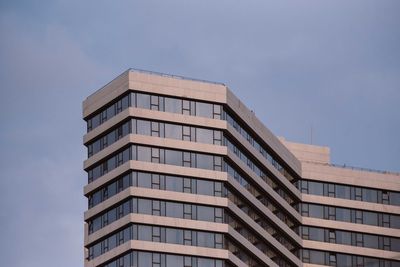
<point x="330" y="65"/>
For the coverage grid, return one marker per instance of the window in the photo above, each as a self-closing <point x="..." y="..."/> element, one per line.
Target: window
<point x="342" y="191"/>
<point x="173" y="105"/>
<point x="143" y="101"/>
<point x="343" y="214"/>
<point x="173" y="131"/>
<point x="173" y="157"/>
<point x="204" y="161"/>
<point x="143" y="127"/>
<point x="204" y="110"/>
<point x="315" y="188"/>
<point x="204" y="136"/>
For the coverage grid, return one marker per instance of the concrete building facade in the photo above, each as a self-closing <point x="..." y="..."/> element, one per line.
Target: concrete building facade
<point x="182" y="174"/>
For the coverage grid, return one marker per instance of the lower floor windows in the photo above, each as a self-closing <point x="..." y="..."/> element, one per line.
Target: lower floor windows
<point x="157" y="208"/>
<point x="157" y="234"/>
<point x="151" y="259"/>
<point x="339" y="259"/>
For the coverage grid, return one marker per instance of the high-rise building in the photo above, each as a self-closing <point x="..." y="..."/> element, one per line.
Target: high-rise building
<point x="181" y="173"/>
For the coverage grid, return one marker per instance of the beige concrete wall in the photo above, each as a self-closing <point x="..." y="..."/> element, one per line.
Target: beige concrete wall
<point x="353" y="227"/>
<point x="307" y="152"/>
<point x="104" y="95"/>
<point x="359" y="251"/>
<point x="352" y="204"/>
<point x="326" y="173"/>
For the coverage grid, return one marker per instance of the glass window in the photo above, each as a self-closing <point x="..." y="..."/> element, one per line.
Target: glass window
<point x="204" y="136"/>
<point x="144" y="233"/>
<point x="205" y="187"/>
<point x="173" y="131"/>
<point x="343" y="237"/>
<point x="205" y="213"/>
<point x="394" y="221"/>
<point x="316" y="211"/>
<point x="173" y="261"/>
<point x="143" y="127"/>
<point x="174" y="236"/>
<point x="394" y="198"/>
<point x="144" y="259"/>
<point x="142" y="101"/>
<point x="173" y="105"/>
<point x="316" y="234"/>
<point x="371" y="241"/>
<point x="144" y="180"/>
<point x="205" y="239"/>
<point x="395" y="244"/>
<point x="370" y="218"/>
<point x="343" y="191"/>
<point x="315" y="188"/>
<point x="205" y="161"/>
<point x="144" y="206"/>
<point x="317" y="257"/>
<point x="343" y="214"/>
<point x="173" y="183"/>
<point x="174" y="209"/>
<point x="370" y="195"/>
<point x="204" y="110"/>
<point x="204" y="262"/>
<point x="143" y="153"/>
<point x="173" y="157"/>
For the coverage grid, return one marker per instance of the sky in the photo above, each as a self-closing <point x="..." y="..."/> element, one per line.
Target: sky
<point x="329" y="66"/>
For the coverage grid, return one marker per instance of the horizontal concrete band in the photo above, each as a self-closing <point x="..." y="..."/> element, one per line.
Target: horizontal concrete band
<point x="353" y="204"/>
<point x="154" y="84"/>
<point x="346" y="249"/>
<point x="331" y="174"/>
<point x="155" y="168"/>
<point x="140" y="113"/>
<point x="156" y="194"/>
<point x="161" y="248"/>
<point x="353" y="227"/>
<point x="158" y="221"/>
<point x="156" y="142"/>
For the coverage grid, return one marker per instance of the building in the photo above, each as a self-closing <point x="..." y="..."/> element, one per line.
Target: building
<point x="181" y="173"/>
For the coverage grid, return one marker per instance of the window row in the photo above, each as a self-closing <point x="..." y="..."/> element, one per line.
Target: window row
<point x="149" y="259"/>
<point x="342" y="260"/>
<point x="258" y="170"/>
<point x="156" y="155"/>
<point x="157" y="234"/>
<point x="249" y="137"/>
<point x="350" y="238"/>
<point x="158" y="129"/>
<point x="157" y="181"/>
<point x="350" y="192"/>
<point x="156" y="208"/>
<point x="177" y="131"/>
<point x="263" y="220"/>
<point x="108" y="112"/>
<point x="155" y="102"/>
<point x="254" y="238"/>
<point x="350" y="215"/>
<point x="109" y="138"/>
